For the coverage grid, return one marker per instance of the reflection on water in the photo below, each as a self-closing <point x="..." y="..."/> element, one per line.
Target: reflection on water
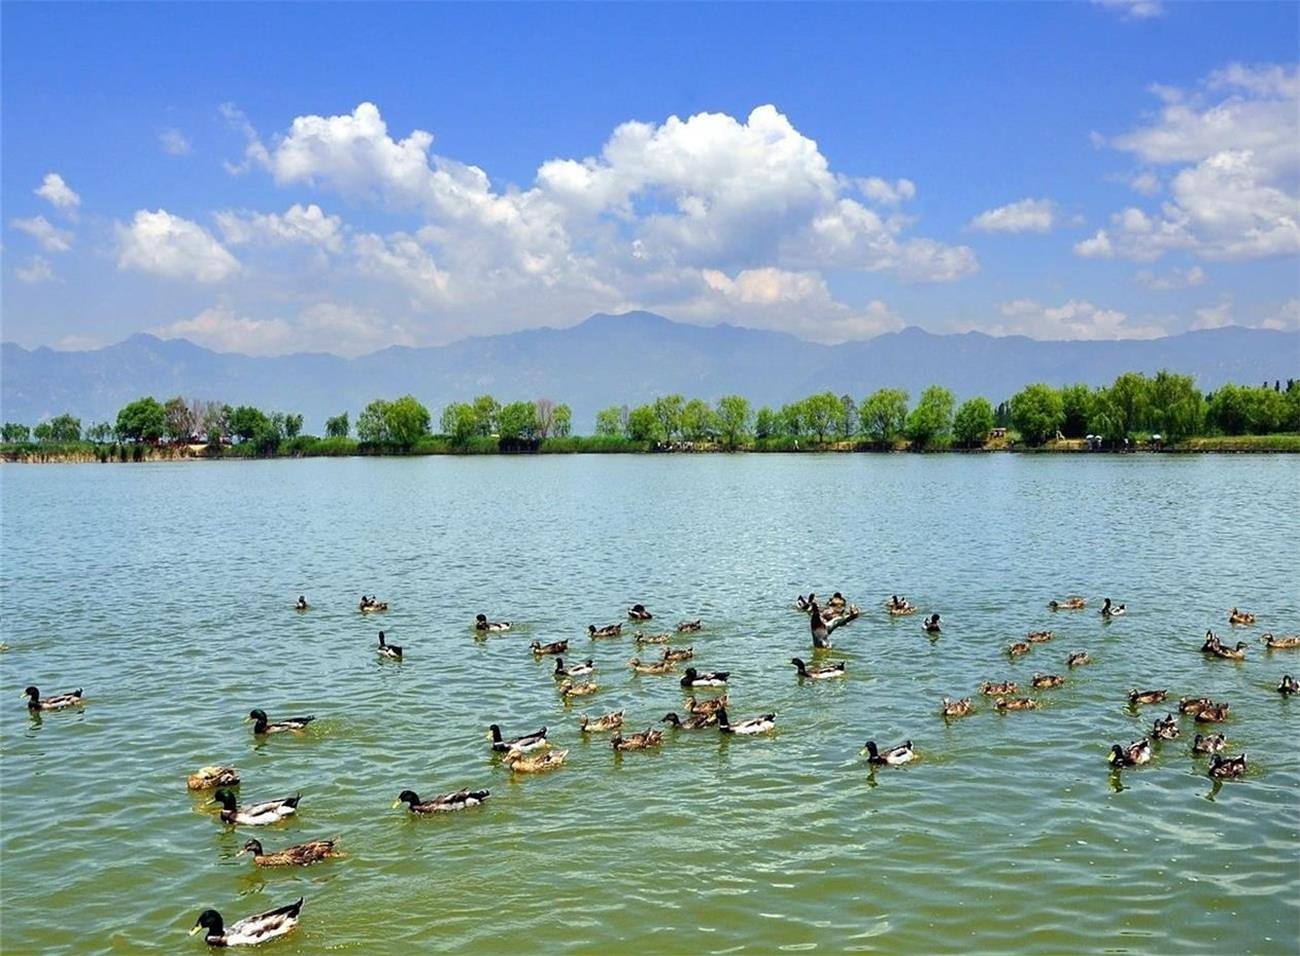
<point x="167" y="590"/>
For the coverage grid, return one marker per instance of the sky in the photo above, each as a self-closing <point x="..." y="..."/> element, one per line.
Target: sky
<point x="267" y="179"/>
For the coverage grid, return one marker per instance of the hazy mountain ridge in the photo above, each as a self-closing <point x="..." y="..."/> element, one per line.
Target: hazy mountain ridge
<point x="609" y="360"/>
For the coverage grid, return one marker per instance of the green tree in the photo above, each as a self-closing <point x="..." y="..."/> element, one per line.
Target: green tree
<point x="1076" y="403"/>
<point x="882" y="416"/>
<point x="698" y="421"/>
<point x="823" y="415"/>
<point x="1292" y="395"/>
<point x="1129" y="397"/>
<point x="178" y="425"/>
<point x="292" y="426"/>
<point x="1177" y="408"/>
<point x="141" y="421"/>
<point x="101" y="433"/>
<point x="372" y="423"/>
<point x="64" y="428"/>
<point x="733" y="416"/>
<point x="458" y="422"/>
<point x="643" y="424"/>
<point x="931" y="421"/>
<point x="973" y="422"/>
<point x="248" y="423"/>
<point x="15" y="432"/>
<point x="790" y="420"/>
<point x="337" y="427"/>
<point x="848" y="417"/>
<point x="518" y="420"/>
<point x="1266" y="410"/>
<point x="1105" y="417"/>
<point x="563" y="421"/>
<point x="610" y="421"/>
<point x="408" y="421"/>
<point x="668" y="413"/>
<point x="1037" y="411"/>
<point x="767" y="423"/>
<point x="486" y="412"/>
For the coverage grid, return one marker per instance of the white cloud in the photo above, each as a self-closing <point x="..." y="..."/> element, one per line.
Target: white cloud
<point x="221" y="329"/>
<point x="1096" y="247"/>
<point x="1134" y="9"/>
<point x="1074" y="319"/>
<point x="38" y="269"/>
<point x="1024" y="215"/>
<point x="322" y="326"/>
<point x="58" y="194"/>
<point x="298" y="225"/>
<point x="1173" y="279"/>
<point x="1147" y="183"/>
<point x="1285" y="319"/>
<point x="400" y="258"/>
<point x="50" y="237"/>
<point x="173" y="142"/>
<point x="173" y="247"/>
<point x="884" y="192"/>
<point x="1214" y="316"/>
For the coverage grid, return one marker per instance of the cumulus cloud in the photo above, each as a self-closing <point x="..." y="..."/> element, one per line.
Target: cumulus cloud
<point x="1074" y="319"/>
<point x="50" y="237"/>
<point x="172" y="247"/>
<point x="58" y="194"/>
<point x="298" y="225"/>
<point x="1173" y="279"/>
<point x="173" y="142"/>
<point x="1025" y="215"/>
<point x="400" y="258"/>
<point x="884" y="192"/>
<point x="1286" y="318"/>
<point x="1134" y="9"/>
<point x="1214" y="316"/>
<point x="321" y="326"/>
<point x="38" y="269"/>
<point x="221" y="329"/>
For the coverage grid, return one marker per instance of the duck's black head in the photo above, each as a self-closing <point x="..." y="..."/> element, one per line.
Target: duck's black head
<point x="381" y="638"/>
<point x="691" y="673"/>
<point x="258" y="717"/>
<point x="252" y="846"/>
<point x="870" y="747"/>
<point x="798" y="662"/>
<point x="559" y="665"/>
<point x="496" y="732"/>
<point x="225" y="798"/>
<point x="838" y="595"/>
<point x="671" y="719"/>
<point x="408" y="797"/>
<point x="211" y="921"/>
<point x="1116" y="753"/>
<point x="33" y="695"/>
<point x="480" y="618"/>
<point x="591" y="628"/>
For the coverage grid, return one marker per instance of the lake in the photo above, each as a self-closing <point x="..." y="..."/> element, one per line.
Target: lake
<point x="167" y="590"/>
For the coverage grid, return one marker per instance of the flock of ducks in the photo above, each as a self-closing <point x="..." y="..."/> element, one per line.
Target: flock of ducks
<point x="533" y="753"/>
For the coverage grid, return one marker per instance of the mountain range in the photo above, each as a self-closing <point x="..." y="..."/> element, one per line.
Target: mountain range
<point x="614" y="360"/>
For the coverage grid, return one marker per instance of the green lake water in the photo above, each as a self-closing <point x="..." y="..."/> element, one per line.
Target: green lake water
<point x="166" y="591"/>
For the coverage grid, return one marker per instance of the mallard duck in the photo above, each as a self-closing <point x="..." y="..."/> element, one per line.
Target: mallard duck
<point x="609" y="630"/>
<point x="1146" y="696"/>
<point x="642" y="639"/>
<point x="526" y="742"/>
<point x="1211" y="714"/>
<point x="255" y="814"/>
<point x="592" y="725"/>
<point x="931" y="624"/>
<point x="568" y="689"/>
<point x="837" y="600"/>
<point x="824" y="672"/>
<point x="654" y="668"/>
<point x="1190" y="705"/>
<point x="762" y="724"/>
<point x="902" y="611"/>
<point x="1042" y="681"/>
<point x="369" y="605"/>
<point x="301" y="604"/>
<point x="1135" y="754"/>
<point x="896" y="604"/>
<point x="692" y="722"/>
<point x="205" y="778"/>
<point x="391" y="651"/>
<point x="956" y="708"/>
<point x="674" y="654"/>
<point x="1286" y="643"/>
<point x="1221" y="768"/>
<point x="1069" y="604"/>
<point x="890" y="756"/>
<point x="822" y="625"/>
<point x="707" y="706"/>
<point x="1227" y="653"/>
<point x="1018" y="648"/>
<point x="573" y="670"/>
<point x="58" y="702"/>
<point x="1166" y="729"/>
<point x="1208" y="743"/>
<point x="640" y="741"/>
<point x="638" y="612"/>
<point x="1211" y="643"/>
<point x="447" y="803"/>
<point x="1039" y="637"/>
<point x="555" y="647"/>
<point x="1240" y="617"/>
<point x="805" y="603"/>
<point x="520" y="762"/>
<point x="1078" y="659"/>
<point x="1113" y="610"/>
<point x="481" y="623"/>
<point x="990" y="689"/>
<point x="1003" y="704"/>
<point x="1288" y="686"/>
<point x="689" y="627"/>
<point x="693" y="678"/>
<point x="250" y="930"/>
<point x="301" y="854"/>
<point x="262" y="726"/>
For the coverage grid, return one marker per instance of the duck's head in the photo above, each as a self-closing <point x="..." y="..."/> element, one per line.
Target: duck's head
<point x="1116" y="754"/>
<point x="494" y="731"/>
<point x="591" y="628"/>
<point x="211" y="921"/>
<point x="408" y="797"/>
<point x="252" y="846"/>
<point x="798" y="662"/>
<point x="225" y="798"/>
<point x="480" y="618"/>
<point x="869" y="748"/>
<point x="32" y="694"/>
<point x="671" y="718"/>
<point x="691" y="673"/>
<point x="256" y="715"/>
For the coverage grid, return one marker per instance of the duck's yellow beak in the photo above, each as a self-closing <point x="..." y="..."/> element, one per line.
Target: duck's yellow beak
<point x="396" y="804"/>
<point x="195" y="930"/>
<point x="248" y="720"/>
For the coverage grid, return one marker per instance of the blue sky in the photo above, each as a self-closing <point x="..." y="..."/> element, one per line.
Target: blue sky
<point x="251" y="176"/>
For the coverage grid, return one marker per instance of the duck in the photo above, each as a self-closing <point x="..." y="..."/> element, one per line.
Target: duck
<point x="642" y="639"/>
<point x="57" y="702"/>
<point x="1211" y="714"/>
<point x="555" y="647"/>
<point x="301" y="854"/>
<point x="1113" y="610"/>
<point x="592" y="725"/>
<point x="205" y="778"/>
<point x="573" y="670"/>
<point x="822" y="626"/>
<point x="694" y="678"/>
<point x="1003" y="704"/>
<point x="674" y="654"/>
<point x="891" y="756"/>
<point x="1146" y="696"/>
<point x="823" y="672"/>
<point x="391" y="651"/>
<point x="931" y="624"/>
<point x="1078" y="659"/>
<point x="1039" y="637"/>
<point x="525" y="742"/>
<point x="1068" y="604"/>
<point x="1227" y="653"/>
<point x="262" y="726"/>
<point x="481" y="623"/>
<point x="249" y="931"/>
<point x="1191" y="705"/>
<point x="1211" y="644"/>
<point x="990" y="689"/>
<point x="1018" y="648"/>
<point x="899" y="606"/>
<point x="1166" y="729"/>
<point x="255" y="814"/>
<point x="956" y="708"/>
<point x="638" y="612"/>
<point x="708" y="705"/>
<point x="446" y="803"/>
<point x="762" y="724"/>
<point x="520" y="762"/>
<point x="1042" y="681"/>
<point x="1222" y="768"/>
<point x="368" y="605"/>
<point x="652" y="669"/>
<point x="639" y="741"/>
<point x="1134" y="755"/>
<point x="689" y="627"/>
<point x="692" y="721"/>
<point x="837" y="600"/>
<point x="301" y="604"/>
<point x="805" y="603"/>
<point x="1240" y="617"/>
<point x="568" y="689"/>
<point x="1208" y="743"/>
<point x="1285" y="643"/>
<point x="609" y="630"/>
<point x="1288" y="686"/>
